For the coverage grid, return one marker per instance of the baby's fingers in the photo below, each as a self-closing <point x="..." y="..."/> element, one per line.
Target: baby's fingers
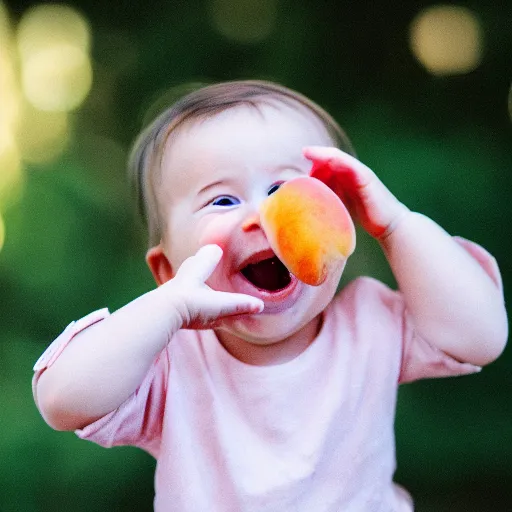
<point x="231" y="304"/>
<point x="367" y="198"/>
<point x="208" y="308"/>
<point x="330" y="159"/>
<point x="328" y="153"/>
<point x="201" y="265"/>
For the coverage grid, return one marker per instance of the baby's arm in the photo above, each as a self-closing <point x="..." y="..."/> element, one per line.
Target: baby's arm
<point x="107" y="362"/>
<point x="453" y="302"/>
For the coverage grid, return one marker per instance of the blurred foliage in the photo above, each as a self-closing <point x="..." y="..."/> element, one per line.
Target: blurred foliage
<point x="73" y="243"/>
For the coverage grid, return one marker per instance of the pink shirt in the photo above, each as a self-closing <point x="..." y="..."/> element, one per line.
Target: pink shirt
<point x="313" y="434"/>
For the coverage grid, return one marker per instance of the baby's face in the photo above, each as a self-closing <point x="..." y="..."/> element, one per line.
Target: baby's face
<point x="216" y="172"/>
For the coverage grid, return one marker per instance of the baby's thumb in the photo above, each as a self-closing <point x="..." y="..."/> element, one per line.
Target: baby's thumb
<point x="202" y="264"/>
<point x="238" y="304"/>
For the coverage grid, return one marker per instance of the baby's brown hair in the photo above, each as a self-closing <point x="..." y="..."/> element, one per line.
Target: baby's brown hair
<point x="146" y="155"/>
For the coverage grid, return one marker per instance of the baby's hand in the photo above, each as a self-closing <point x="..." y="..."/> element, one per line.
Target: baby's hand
<point x="365" y="196"/>
<point x="200" y="307"/>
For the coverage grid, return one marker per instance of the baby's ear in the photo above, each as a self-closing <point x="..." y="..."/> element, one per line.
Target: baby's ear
<point x="159" y="264"/>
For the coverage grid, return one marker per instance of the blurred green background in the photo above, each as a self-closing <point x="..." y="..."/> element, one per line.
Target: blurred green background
<point x="422" y="89"/>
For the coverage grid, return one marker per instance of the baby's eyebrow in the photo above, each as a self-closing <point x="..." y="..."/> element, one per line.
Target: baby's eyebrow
<point x="292" y="167"/>
<point x="210" y="185"/>
<point x="214" y="184"/>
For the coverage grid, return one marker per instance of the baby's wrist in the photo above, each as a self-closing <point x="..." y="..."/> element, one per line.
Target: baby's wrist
<point x="172" y="306"/>
<point x="400" y="217"/>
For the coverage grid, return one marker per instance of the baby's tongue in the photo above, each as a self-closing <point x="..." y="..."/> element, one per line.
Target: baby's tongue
<point x="268" y="274"/>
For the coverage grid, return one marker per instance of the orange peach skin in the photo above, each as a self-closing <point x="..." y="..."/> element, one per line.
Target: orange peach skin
<point x="309" y="228"/>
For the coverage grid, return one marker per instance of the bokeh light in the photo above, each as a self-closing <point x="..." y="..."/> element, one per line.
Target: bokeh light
<point x="8" y="91"/>
<point x="244" y="21"/>
<point x="10" y="169"/>
<point x="42" y="136"/>
<point x="9" y="100"/>
<point x="10" y="160"/>
<point x="57" y="78"/>
<point x="447" y="40"/>
<point x="2" y="232"/>
<point x="53" y="44"/>
<point x="47" y="25"/>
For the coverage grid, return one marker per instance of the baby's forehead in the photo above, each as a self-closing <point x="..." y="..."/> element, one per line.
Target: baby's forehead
<point x="245" y="131"/>
<point x="240" y="123"/>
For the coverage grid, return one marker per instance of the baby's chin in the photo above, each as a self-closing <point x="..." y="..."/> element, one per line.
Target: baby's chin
<point x="267" y="328"/>
<point x="274" y="344"/>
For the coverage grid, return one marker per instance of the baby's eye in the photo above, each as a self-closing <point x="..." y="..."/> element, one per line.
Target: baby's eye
<point x="273" y="188"/>
<point x="225" y="201"/>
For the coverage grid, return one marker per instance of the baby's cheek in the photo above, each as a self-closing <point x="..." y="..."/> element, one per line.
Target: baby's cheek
<point x="216" y="231"/>
<point x="219" y="231"/>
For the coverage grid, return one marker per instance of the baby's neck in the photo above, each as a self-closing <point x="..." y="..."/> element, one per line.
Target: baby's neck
<point x="275" y="353"/>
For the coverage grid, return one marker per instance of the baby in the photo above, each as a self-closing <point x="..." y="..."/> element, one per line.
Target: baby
<point x="253" y="390"/>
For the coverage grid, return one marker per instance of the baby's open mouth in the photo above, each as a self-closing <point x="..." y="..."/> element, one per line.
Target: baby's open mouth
<point x="269" y="274"/>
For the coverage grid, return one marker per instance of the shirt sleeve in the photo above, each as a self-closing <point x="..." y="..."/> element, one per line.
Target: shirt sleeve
<point x="138" y="421"/>
<point x="422" y="360"/>
<point x="54" y="350"/>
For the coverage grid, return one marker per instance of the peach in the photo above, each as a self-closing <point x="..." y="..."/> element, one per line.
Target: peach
<point x="309" y="228"/>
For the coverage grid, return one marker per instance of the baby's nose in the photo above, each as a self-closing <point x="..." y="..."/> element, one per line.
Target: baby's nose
<point x="251" y="223"/>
